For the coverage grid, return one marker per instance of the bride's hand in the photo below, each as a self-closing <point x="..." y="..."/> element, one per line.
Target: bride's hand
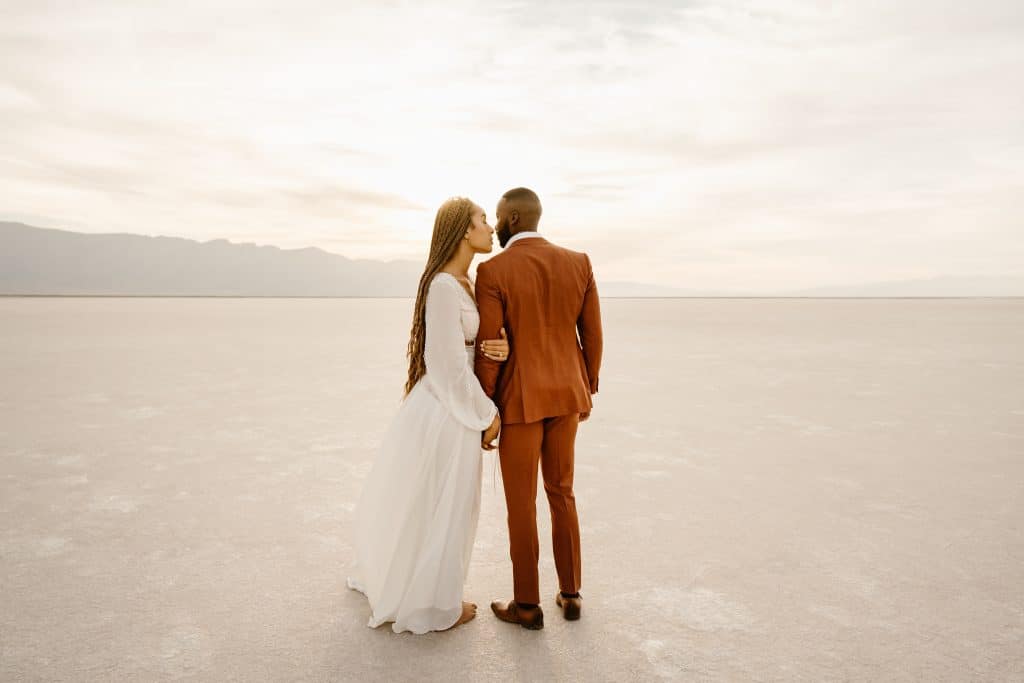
<point x="491" y="433"/>
<point x="496" y="349"/>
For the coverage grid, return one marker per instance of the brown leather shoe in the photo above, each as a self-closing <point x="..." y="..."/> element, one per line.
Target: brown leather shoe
<point x="529" y="617"/>
<point x="570" y="606"/>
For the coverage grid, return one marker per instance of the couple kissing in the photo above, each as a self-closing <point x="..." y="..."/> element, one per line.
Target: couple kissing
<point x="528" y="386"/>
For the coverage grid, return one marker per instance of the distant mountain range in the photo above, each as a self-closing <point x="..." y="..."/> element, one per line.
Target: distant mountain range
<point x="46" y="261"/>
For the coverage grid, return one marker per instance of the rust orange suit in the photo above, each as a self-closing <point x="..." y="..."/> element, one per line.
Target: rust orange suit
<point x="545" y="298"/>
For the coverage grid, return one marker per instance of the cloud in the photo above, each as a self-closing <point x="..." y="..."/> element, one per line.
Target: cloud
<point x="881" y="132"/>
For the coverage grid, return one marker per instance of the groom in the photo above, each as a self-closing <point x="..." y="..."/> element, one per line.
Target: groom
<point x="543" y="295"/>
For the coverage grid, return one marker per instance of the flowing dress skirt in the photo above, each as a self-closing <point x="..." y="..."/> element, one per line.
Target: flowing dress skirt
<point x="416" y="519"/>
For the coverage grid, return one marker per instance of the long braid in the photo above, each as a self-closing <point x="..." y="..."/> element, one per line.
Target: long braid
<point x="450" y="224"/>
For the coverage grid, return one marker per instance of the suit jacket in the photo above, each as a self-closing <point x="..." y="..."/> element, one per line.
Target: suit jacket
<point x="545" y="298"/>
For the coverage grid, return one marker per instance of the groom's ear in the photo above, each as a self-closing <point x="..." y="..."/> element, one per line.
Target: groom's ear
<point x="513" y="218"/>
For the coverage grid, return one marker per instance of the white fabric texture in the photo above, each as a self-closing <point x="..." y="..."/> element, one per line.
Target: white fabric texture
<point x="417" y="515"/>
<point x="526" y="234"/>
<point x="451" y="321"/>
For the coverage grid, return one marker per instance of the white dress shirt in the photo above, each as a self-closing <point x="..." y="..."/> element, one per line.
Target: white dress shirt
<point x="521" y="235"/>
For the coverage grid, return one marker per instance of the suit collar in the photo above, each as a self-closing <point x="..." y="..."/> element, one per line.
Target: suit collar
<point x="525" y="238"/>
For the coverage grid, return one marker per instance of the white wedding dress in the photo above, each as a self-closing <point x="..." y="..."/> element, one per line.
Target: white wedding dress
<point x="417" y="516"/>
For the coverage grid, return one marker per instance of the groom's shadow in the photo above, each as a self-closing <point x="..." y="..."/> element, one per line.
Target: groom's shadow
<point x="531" y="653"/>
<point x="553" y="653"/>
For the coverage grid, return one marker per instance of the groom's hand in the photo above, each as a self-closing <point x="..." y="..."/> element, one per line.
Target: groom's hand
<point x="584" y="416"/>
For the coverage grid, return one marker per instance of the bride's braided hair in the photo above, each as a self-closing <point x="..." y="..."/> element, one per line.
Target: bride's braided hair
<point x="450" y="224"/>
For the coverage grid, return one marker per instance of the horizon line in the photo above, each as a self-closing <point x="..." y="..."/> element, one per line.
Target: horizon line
<point x="410" y="298"/>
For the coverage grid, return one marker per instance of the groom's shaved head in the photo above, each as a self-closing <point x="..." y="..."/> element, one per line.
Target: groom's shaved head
<point x="526" y="202"/>
<point x="518" y="211"/>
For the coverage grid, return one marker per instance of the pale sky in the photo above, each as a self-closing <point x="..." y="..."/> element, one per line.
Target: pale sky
<point x="727" y="144"/>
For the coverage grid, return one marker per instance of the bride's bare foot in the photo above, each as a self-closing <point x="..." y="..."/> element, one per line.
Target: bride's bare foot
<point x="468" y="612"/>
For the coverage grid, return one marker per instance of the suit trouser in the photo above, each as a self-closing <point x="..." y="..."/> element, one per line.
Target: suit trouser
<point x="551" y="441"/>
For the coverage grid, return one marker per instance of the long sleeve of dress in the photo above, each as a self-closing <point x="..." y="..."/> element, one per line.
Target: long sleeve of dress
<point x="492" y="318"/>
<point x="449" y="370"/>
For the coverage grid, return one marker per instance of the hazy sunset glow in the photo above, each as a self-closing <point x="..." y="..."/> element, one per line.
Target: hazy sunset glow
<point x="721" y="144"/>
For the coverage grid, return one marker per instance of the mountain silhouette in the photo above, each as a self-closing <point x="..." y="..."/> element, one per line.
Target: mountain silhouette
<point x="48" y="261"/>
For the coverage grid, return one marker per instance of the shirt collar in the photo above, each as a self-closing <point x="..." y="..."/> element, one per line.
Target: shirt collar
<point x="521" y="235"/>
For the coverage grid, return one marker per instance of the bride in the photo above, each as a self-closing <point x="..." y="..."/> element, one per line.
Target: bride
<point x="417" y="516"/>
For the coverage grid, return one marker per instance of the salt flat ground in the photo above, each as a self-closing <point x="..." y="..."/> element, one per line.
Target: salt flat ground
<point x="769" y="490"/>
